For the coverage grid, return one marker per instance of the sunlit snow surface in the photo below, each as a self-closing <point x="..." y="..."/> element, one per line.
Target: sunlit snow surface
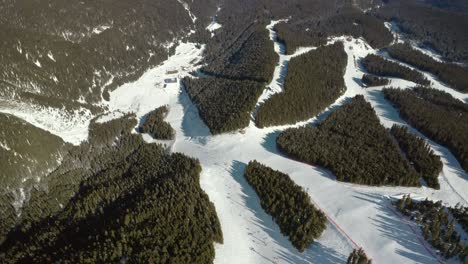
<point x="250" y="235"/>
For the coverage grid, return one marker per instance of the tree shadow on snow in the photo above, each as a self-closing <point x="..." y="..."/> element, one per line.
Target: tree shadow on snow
<point x="316" y="253"/>
<point x="358" y="81"/>
<point x="391" y="226"/>
<point x="192" y="124"/>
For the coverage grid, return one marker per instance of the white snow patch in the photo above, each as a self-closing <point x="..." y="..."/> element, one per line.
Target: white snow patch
<point x="4" y="146"/>
<point x="51" y="56"/>
<point x="213" y="26"/>
<point x="72" y="126"/>
<point x="19" y="199"/>
<point x="109" y="116"/>
<point x="100" y="29"/>
<point x="186" y="6"/>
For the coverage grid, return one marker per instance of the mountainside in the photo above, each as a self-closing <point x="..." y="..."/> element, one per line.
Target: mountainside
<point x="233" y="131"/>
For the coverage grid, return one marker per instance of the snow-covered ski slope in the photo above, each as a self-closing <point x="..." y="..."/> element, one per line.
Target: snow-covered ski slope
<point x="358" y="214"/>
<point x="250" y="235"/>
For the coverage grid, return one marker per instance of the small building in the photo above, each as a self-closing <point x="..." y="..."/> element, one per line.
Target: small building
<point x="172" y="71"/>
<point x="170" y="80"/>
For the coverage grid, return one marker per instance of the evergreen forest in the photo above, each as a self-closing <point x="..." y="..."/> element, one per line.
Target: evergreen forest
<point x="287" y="203"/>
<point x="353" y="144"/>
<point x="377" y="65"/>
<point x="314" y="81"/>
<point x="437" y="115"/>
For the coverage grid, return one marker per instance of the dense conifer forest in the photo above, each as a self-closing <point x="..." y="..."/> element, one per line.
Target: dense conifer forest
<point x="223" y="104"/>
<point x="26" y="152"/>
<point x="251" y="57"/>
<point x="348" y="20"/>
<point x="237" y="67"/>
<point x="107" y="143"/>
<point x="155" y="125"/>
<point x="379" y="66"/>
<point x="358" y="256"/>
<point x="314" y="81"/>
<point x="441" y="29"/>
<point x="107" y="178"/>
<point x="148" y="208"/>
<point x="437" y="115"/>
<point x="137" y="203"/>
<point x="421" y="156"/>
<point x="370" y="80"/>
<point x="438" y="225"/>
<point x="353" y="144"/>
<point x="452" y="74"/>
<point x="288" y="204"/>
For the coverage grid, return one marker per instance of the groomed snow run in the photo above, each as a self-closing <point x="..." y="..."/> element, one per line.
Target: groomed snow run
<point x="250" y="235"/>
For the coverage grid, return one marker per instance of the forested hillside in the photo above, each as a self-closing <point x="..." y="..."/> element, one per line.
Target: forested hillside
<point x="287" y="203"/>
<point x="379" y="66"/>
<point x="149" y="207"/>
<point x="347" y="20"/>
<point x="26" y="153"/>
<point x="421" y="156"/>
<point x="353" y="144"/>
<point x="441" y="29"/>
<point x="108" y="142"/>
<point x="454" y="75"/>
<point x="314" y="81"/>
<point x="250" y="57"/>
<point x="115" y="197"/>
<point x="72" y="51"/>
<point x="437" y="115"/>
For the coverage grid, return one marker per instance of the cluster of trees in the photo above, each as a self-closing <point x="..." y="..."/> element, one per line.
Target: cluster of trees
<point x="148" y="207"/>
<point x="358" y="256"/>
<point x="437" y="224"/>
<point x="288" y="204"/>
<point x="443" y="30"/>
<point x="223" y="104"/>
<point x="421" y="156"/>
<point x="347" y="20"/>
<point x="353" y="144"/>
<point x="155" y="125"/>
<point x="453" y="74"/>
<point x="372" y="80"/>
<point x="437" y="115"/>
<point x="379" y="66"/>
<point x="314" y="81"/>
